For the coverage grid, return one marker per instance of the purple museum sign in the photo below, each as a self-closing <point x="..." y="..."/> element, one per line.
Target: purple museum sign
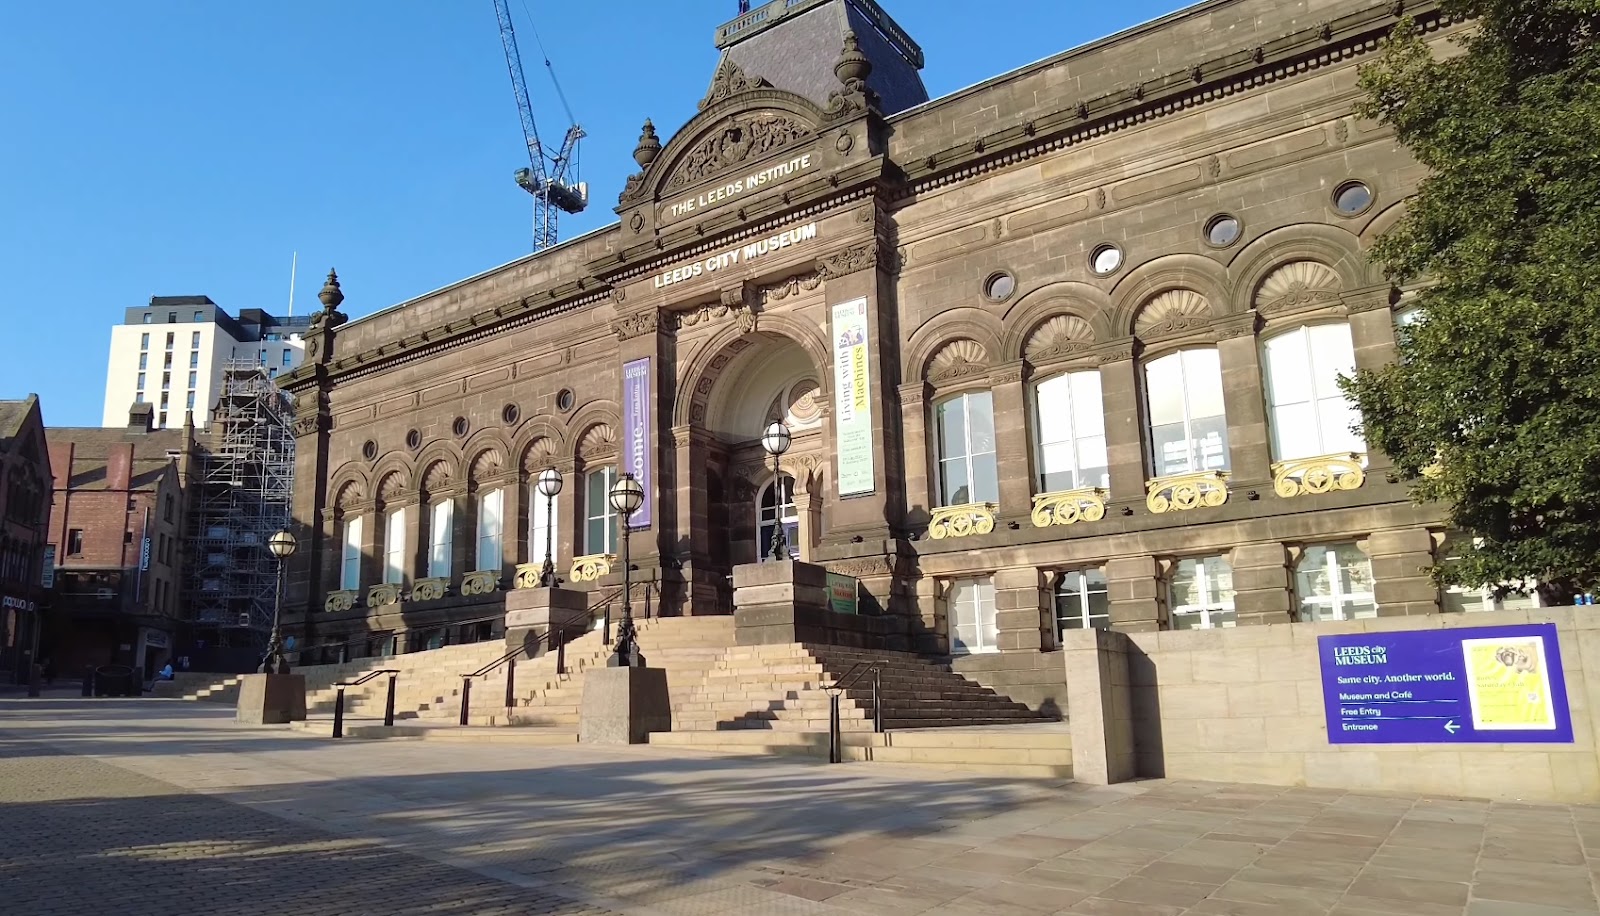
<point x="1496" y="685"/>
<point x="636" y="434"/>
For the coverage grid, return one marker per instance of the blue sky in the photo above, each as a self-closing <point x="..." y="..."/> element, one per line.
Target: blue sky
<point x="176" y="147"/>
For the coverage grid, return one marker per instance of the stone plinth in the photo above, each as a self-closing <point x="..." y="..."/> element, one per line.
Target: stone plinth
<point x="271" y="699"/>
<point x="788" y="602"/>
<point x="624" y="705"/>
<point x="531" y="613"/>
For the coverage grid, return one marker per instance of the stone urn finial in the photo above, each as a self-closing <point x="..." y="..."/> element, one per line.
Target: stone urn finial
<point x="649" y="146"/>
<point x="331" y="295"/>
<point x="853" y="67"/>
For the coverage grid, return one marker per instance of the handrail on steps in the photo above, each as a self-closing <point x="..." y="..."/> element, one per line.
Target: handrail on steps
<point x="338" y="700"/>
<point x="837" y="689"/>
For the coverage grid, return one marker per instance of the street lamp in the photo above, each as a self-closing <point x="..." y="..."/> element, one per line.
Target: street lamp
<point x="549" y="487"/>
<point x="776" y="440"/>
<point x="282" y="546"/>
<point x="626" y="498"/>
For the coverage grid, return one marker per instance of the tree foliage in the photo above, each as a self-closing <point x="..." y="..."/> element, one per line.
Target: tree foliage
<point x="1494" y="406"/>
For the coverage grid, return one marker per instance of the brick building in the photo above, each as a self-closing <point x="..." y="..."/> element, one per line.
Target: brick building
<point x="1058" y="350"/>
<point x="24" y="511"/>
<point x="117" y="523"/>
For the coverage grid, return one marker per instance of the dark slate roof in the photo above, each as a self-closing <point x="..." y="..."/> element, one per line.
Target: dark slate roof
<point x="798" y="55"/>
<point x="12" y="415"/>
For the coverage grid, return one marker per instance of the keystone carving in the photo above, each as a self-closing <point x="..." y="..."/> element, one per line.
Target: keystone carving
<point x="717" y="311"/>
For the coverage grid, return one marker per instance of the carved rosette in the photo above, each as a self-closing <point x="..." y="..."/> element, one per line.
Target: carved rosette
<point x="1323" y="474"/>
<point x="1181" y="492"/>
<point x="528" y="575"/>
<point x="1069" y="507"/>
<point x="591" y="568"/>
<point x="481" y="582"/>
<point x="383" y="595"/>
<point x="962" y="521"/>
<point x="340" y="601"/>
<point x="429" y="589"/>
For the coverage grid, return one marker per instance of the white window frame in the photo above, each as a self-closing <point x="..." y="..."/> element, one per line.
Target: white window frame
<point x="974" y="629"/>
<point x="767" y="516"/>
<point x="1338" y="601"/>
<point x="394" y="547"/>
<point x="1214" y="608"/>
<point x="1324" y="360"/>
<point x="350" y="556"/>
<point x="491" y="529"/>
<point x="1068" y="396"/>
<point x="1074" y="601"/>
<point x="441" y="538"/>
<point x="541" y="525"/>
<point x="970" y="458"/>
<point x="1188" y="374"/>
<point x="606" y="515"/>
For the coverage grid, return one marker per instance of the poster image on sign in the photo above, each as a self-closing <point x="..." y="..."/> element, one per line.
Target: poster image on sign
<point x="853" y="399"/>
<point x="1497" y="685"/>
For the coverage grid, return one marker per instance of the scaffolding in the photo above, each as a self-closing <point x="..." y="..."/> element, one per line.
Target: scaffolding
<point x="240" y="497"/>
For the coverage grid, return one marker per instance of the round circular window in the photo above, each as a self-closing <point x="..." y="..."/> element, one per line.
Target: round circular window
<point x="1223" y="230"/>
<point x="1352" y="197"/>
<point x="369" y="450"/>
<point x="413" y="440"/>
<point x="1105" y="260"/>
<point x="460" y="427"/>
<point x="510" y="414"/>
<point x="565" y="400"/>
<point x="1000" y="286"/>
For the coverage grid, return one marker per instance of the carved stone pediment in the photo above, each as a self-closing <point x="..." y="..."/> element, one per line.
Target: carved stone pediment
<point x="736" y="141"/>
<point x="730" y="80"/>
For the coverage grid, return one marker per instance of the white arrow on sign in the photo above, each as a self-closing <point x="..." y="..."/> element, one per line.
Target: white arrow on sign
<point x="1452" y="727"/>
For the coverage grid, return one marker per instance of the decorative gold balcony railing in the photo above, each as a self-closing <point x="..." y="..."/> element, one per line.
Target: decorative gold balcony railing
<point x="962" y="521"/>
<point x="1322" y="474"/>
<point x="383" y="595"/>
<point x="1181" y="492"/>
<point x="481" y="582"/>
<point x="591" y="568"/>
<point x="528" y="575"/>
<point x="340" y="601"/>
<point x="429" y="589"/>
<point x="1069" y="507"/>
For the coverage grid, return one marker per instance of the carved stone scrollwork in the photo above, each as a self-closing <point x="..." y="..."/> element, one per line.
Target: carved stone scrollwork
<point x="962" y="521"/>
<point x="308" y="426"/>
<point x="1069" y="507"/>
<point x="793" y="286"/>
<point x="591" y="568"/>
<point x="738" y="141"/>
<point x="636" y="325"/>
<point x="481" y="582"/>
<point x="429" y="589"/>
<point x="1181" y="492"/>
<point x="528" y="575"/>
<point x="339" y="602"/>
<point x="1323" y="474"/>
<point x="735" y="304"/>
<point x="383" y="595"/>
<point x="730" y="80"/>
<point x="876" y="567"/>
<point x="846" y="262"/>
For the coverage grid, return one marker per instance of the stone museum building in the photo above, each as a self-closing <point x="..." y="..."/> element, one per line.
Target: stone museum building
<point x="1058" y="350"/>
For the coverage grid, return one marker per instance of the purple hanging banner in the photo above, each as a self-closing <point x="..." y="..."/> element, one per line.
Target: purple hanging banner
<point x="636" y="434"/>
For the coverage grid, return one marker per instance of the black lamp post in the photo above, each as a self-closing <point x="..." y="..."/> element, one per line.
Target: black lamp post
<point x="549" y="487"/>
<point x="283" y="547"/>
<point x="626" y="498"/>
<point x="776" y="440"/>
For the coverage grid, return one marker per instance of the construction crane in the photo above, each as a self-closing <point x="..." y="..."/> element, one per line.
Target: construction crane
<point x="551" y="179"/>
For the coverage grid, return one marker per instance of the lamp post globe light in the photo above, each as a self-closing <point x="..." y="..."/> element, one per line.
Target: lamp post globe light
<point x="550" y="484"/>
<point x="776" y="440"/>
<point x="626" y="498"/>
<point x="282" y="545"/>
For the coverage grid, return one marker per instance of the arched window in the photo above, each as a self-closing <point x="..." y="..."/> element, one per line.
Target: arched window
<point x="1188" y="424"/>
<point x="967" y="471"/>
<point x="600" y="534"/>
<point x="1070" y="432"/>
<point x="491" y="529"/>
<point x="394" y="548"/>
<point x="1310" y="415"/>
<point x="350" y="558"/>
<point x="441" y="538"/>
<point x="778" y="507"/>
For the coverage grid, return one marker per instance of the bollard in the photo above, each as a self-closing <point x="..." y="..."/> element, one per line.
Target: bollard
<point x="88" y="680"/>
<point x="561" y="652"/>
<point x="338" y="712"/>
<point x="511" y="683"/>
<point x="388" y="709"/>
<point x="877" y="701"/>
<point x="466" y="698"/>
<point x="35" y="673"/>
<point x="835" y="751"/>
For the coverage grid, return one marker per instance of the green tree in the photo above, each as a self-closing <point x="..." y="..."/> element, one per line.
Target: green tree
<point x="1494" y="406"/>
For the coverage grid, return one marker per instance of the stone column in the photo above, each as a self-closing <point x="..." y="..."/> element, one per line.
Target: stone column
<point x="808" y="505"/>
<point x="513" y="526"/>
<point x="568" y="516"/>
<point x="412" y="532"/>
<point x="1134" y="587"/>
<point x="419" y="525"/>
<point x="327" y="562"/>
<point x="371" y="554"/>
<point x="1006" y="385"/>
<point x="1022" y="603"/>
<point x="1372" y="334"/>
<point x="1400" y="560"/>
<point x="1119" y="393"/>
<point x="920" y="493"/>
<point x="1262" y="586"/>
<point x="464" y="546"/>
<point x="1244" y="398"/>
<point x="647" y="335"/>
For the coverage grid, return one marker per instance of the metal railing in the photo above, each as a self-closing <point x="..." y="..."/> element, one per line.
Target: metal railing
<point x="338" y="700"/>
<point x="837" y="689"/>
<point x="555" y="638"/>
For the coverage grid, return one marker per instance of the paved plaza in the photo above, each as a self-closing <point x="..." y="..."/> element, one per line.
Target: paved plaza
<point x="160" y="807"/>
